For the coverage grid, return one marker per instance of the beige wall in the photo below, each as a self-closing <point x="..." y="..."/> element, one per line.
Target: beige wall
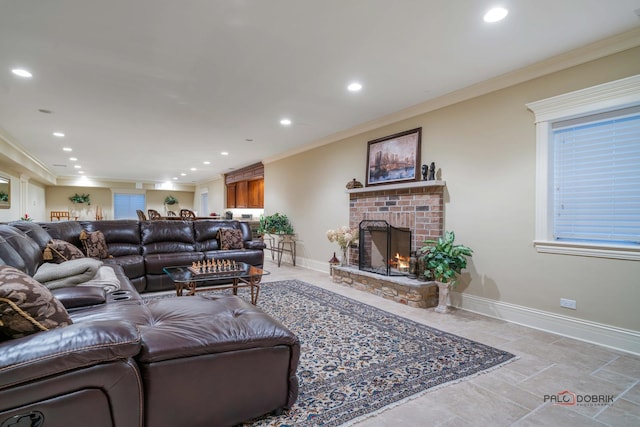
<point x="58" y="200"/>
<point x="216" y="191"/>
<point x="485" y="149"/>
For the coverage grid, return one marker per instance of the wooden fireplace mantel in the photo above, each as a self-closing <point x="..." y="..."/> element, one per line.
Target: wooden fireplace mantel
<point x="401" y="186"/>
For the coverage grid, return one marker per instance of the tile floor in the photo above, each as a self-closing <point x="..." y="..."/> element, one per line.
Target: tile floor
<point x="512" y="395"/>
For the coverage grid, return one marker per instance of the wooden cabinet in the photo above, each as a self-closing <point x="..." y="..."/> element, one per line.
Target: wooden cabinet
<point x="256" y="193"/>
<point x="245" y="187"/>
<point x="242" y="196"/>
<point x="231" y="195"/>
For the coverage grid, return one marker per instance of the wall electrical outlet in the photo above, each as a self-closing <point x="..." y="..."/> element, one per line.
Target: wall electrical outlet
<point x="568" y="303"/>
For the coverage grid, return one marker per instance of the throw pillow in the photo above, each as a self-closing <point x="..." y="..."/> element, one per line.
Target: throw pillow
<point x="60" y="251"/>
<point x="95" y="246"/>
<point x="27" y="307"/>
<point x="230" y="238"/>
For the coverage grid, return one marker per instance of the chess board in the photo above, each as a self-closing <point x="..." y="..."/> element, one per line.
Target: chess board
<point x="216" y="268"/>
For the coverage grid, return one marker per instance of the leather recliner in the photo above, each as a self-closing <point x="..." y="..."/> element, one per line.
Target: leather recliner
<point x="189" y="361"/>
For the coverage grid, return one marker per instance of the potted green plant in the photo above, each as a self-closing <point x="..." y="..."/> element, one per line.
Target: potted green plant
<point x="80" y="198"/>
<point x="443" y="262"/>
<point x="275" y="224"/>
<point x="170" y="200"/>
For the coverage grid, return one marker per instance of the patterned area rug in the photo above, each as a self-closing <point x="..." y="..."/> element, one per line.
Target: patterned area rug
<point x="357" y="360"/>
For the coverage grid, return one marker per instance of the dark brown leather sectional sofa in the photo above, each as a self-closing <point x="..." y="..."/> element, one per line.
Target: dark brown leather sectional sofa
<point x="143" y="248"/>
<point x="189" y="361"/>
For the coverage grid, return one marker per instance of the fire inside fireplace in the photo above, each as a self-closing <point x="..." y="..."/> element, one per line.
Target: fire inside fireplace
<point x="383" y="248"/>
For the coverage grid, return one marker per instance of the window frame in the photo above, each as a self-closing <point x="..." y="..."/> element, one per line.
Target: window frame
<point x="609" y="96"/>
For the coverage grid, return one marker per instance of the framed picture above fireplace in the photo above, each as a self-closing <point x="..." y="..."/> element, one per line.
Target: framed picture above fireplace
<point x="394" y="158"/>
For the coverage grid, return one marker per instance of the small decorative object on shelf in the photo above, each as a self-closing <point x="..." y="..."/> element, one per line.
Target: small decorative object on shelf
<point x="354" y="184"/>
<point x="26" y="217"/>
<point x="413" y="265"/>
<point x="333" y="262"/>
<point x="425" y="172"/>
<point x="345" y="237"/>
<point x="432" y="171"/>
<point x="80" y="198"/>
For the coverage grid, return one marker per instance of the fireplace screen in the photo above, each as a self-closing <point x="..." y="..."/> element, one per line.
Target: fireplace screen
<point x="384" y="249"/>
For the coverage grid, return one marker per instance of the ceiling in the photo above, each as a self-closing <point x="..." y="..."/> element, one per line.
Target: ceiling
<point x="145" y="90"/>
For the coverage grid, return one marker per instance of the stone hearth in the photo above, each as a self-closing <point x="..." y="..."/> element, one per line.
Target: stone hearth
<point x="411" y="292"/>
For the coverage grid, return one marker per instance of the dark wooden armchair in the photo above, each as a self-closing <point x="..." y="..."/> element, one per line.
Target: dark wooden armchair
<point x="141" y="215"/>
<point x="187" y="214"/>
<point x="171" y="213"/>
<point x="154" y="214"/>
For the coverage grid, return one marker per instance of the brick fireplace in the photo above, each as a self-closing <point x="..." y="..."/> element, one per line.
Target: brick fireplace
<point x="418" y="206"/>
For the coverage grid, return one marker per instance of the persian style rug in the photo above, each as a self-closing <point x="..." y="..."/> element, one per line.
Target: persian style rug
<point x="357" y="360"/>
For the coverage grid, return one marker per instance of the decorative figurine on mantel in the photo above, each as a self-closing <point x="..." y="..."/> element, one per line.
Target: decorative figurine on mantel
<point x="432" y="171"/>
<point x="425" y="171"/>
<point x="354" y="184"/>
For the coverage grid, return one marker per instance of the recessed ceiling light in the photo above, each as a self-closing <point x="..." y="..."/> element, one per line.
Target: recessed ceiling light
<point x="354" y="87"/>
<point x="58" y="134"/>
<point x="67" y="149"/>
<point x="224" y="153"/>
<point x="496" y="14"/>
<point x="73" y="159"/>
<point x="193" y="169"/>
<point x="285" y="122"/>
<point x="175" y="177"/>
<point x="21" y="72"/>
<point x="183" y="174"/>
<point x="81" y="172"/>
<point x="77" y="166"/>
<point x="206" y="162"/>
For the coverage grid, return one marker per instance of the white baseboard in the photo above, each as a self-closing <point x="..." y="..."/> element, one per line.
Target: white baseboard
<point x="597" y="333"/>
<point x="609" y="336"/>
<point x="312" y="264"/>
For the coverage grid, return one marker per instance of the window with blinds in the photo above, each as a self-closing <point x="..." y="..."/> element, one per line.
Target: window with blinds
<point x="596" y="178"/>
<point x="125" y="205"/>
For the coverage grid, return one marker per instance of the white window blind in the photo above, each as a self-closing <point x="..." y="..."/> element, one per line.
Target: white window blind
<point x="596" y="178"/>
<point x="125" y="205"/>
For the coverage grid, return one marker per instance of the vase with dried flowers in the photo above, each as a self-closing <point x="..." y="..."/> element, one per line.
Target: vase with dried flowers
<point x="345" y="237"/>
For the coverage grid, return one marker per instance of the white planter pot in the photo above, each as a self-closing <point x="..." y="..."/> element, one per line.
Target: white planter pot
<point x="443" y="297"/>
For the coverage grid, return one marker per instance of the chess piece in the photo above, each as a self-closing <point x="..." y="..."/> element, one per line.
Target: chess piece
<point x="432" y="171"/>
<point x="425" y="171"/>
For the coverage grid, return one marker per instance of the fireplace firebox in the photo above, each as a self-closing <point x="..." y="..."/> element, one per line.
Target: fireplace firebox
<point x="383" y="248"/>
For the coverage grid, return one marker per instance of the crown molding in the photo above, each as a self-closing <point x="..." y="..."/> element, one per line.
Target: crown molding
<point x="600" y="49"/>
<point x="18" y="159"/>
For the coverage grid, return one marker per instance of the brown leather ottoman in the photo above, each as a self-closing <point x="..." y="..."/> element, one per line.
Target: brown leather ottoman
<point x="214" y="362"/>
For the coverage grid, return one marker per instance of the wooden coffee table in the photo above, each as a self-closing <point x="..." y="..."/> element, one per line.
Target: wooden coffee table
<point x="244" y="276"/>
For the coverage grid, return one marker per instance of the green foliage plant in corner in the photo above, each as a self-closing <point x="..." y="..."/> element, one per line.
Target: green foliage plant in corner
<point x="443" y="262"/>
<point x="170" y="200"/>
<point x="275" y="224"/>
